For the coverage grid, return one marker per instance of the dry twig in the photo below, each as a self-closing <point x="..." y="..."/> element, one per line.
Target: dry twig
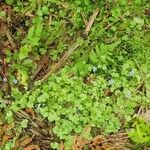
<point x="84" y="19"/>
<point x="10" y="38"/>
<point x="91" y="21"/>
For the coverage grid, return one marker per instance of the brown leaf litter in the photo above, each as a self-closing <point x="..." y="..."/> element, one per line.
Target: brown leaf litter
<point x="113" y="142"/>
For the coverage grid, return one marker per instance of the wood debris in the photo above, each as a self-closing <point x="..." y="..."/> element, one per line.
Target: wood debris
<point x="91" y="21"/>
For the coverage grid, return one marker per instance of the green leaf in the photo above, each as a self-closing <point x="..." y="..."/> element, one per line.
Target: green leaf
<point x="23" y="76"/>
<point x="24" y="51"/>
<point x="139" y="20"/>
<point x="9" y="2"/>
<point x="55" y="145"/>
<point x="24" y="123"/>
<point x="43" y="97"/>
<point x="93" y="57"/>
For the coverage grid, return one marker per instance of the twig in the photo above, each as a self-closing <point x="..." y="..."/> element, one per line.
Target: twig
<point x="36" y="133"/>
<point x="10" y="38"/>
<point x="144" y="78"/>
<point x="139" y="85"/>
<point x="37" y="71"/>
<point x="50" y="20"/>
<point x="5" y="101"/>
<point x="61" y="62"/>
<point x="91" y="21"/>
<point x="110" y="25"/>
<point x="84" y="19"/>
<point x="22" y="114"/>
<point x="140" y="111"/>
<point x="138" y="67"/>
<point x="43" y="61"/>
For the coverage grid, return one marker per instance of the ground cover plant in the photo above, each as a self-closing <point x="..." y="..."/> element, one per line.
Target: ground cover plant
<point x="72" y="71"/>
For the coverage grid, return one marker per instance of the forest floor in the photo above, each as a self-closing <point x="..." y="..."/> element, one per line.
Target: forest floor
<point x="74" y="75"/>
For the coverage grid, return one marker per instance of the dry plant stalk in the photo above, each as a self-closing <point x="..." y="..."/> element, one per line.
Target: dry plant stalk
<point x="91" y="21"/>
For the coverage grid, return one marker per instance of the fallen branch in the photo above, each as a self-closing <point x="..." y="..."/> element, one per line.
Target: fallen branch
<point x="91" y="21"/>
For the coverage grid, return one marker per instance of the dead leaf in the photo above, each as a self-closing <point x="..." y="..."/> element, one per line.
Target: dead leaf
<point x="97" y="140"/>
<point x="64" y="5"/>
<point x="32" y="147"/>
<point x="2" y="29"/>
<point x="107" y="92"/>
<point x="97" y="148"/>
<point x="17" y="144"/>
<point x="31" y="112"/>
<point x="5" y="138"/>
<point x="87" y="129"/>
<point x="79" y="143"/>
<point x="26" y="141"/>
<point x="62" y="147"/>
<point x="92" y="148"/>
<point x="5" y="128"/>
<point x="109" y="147"/>
<point x="147" y="12"/>
<point x="43" y="61"/>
